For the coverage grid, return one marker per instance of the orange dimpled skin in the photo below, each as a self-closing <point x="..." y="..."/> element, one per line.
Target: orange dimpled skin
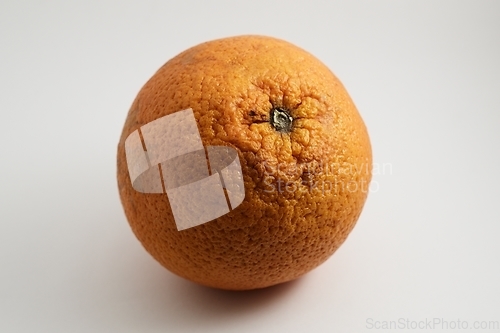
<point x="305" y="160"/>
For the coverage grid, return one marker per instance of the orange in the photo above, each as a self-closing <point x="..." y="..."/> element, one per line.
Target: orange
<point x="305" y="159"/>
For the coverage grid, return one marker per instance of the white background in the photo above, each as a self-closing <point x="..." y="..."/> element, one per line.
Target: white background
<point x="425" y="76"/>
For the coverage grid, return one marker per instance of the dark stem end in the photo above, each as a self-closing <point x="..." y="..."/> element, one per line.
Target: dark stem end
<point x="281" y="120"/>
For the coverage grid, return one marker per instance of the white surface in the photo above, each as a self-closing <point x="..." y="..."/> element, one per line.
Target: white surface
<point x="425" y="76"/>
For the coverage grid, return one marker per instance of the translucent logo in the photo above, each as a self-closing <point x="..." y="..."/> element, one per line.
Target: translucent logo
<point x="167" y="156"/>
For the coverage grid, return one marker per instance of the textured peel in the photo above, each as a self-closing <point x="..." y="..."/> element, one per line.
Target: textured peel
<point x="304" y="189"/>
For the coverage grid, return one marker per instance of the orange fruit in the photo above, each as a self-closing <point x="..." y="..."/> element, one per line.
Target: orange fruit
<point x="304" y="152"/>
